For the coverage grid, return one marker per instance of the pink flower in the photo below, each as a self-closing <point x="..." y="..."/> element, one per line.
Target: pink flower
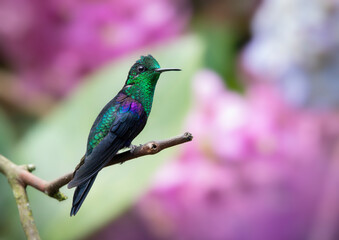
<point x="256" y="168"/>
<point x="52" y="44"/>
<point x="297" y="48"/>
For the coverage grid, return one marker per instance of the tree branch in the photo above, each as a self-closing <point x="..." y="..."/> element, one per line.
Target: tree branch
<point x="12" y="172"/>
<point x="20" y="176"/>
<point x="153" y="147"/>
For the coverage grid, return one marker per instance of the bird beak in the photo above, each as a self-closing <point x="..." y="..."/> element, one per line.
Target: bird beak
<point x="160" y="70"/>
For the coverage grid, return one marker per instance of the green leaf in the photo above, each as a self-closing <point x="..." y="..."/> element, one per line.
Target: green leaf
<point x="6" y="135"/>
<point x="9" y="225"/>
<point x="58" y="142"/>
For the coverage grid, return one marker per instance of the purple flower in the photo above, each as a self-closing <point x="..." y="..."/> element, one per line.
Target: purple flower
<point x="296" y="45"/>
<point x="256" y="169"/>
<point x="51" y="44"/>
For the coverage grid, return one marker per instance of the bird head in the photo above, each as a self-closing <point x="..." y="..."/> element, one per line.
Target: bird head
<point x="146" y="68"/>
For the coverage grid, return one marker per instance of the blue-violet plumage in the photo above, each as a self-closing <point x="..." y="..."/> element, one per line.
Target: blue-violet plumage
<point x="118" y="123"/>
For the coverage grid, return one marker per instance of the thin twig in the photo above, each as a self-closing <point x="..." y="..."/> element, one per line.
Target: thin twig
<point x="12" y="172"/>
<point x="20" y="176"/>
<point x="153" y="147"/>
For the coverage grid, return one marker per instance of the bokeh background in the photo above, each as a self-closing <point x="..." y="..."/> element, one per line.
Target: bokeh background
<point x="259" y="91"/>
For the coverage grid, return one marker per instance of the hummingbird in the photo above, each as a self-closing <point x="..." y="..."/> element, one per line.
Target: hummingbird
<point x="118" y="123"/>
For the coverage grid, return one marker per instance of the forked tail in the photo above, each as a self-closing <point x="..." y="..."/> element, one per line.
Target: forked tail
<point x="81" y="193"/>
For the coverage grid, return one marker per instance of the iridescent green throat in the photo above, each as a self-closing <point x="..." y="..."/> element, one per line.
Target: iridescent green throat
<point x="143" y="90"/>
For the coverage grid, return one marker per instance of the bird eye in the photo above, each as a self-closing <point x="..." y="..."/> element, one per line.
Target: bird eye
<point x="141" y="68"/>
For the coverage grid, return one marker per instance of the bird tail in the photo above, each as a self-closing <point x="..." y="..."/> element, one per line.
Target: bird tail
<point x="81" y="193"/>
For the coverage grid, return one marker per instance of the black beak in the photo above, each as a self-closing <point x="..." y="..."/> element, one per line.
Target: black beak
<point x="160" y="70"/>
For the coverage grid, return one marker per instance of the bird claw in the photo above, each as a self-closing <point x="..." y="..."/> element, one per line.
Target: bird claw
<point x="133" y="147"/>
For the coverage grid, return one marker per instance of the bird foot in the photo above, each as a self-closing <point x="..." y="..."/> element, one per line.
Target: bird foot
<point x="133" y="147"/>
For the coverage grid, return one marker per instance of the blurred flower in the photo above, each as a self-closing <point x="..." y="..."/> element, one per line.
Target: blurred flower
<point x="298" y="48"/>
<point x="51" y="44"/>
<point x="255" y="169"/>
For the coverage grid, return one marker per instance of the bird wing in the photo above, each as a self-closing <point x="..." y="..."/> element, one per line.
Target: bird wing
<point x="126" y="126"/>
